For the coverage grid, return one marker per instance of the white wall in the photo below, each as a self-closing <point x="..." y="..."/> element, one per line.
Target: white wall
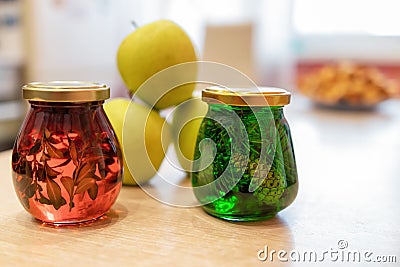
<point x="74" y="40"/>
<point x="78" y="39"/>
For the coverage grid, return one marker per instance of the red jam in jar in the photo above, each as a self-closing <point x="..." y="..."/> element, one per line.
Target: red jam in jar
<point x="66" y="162"/>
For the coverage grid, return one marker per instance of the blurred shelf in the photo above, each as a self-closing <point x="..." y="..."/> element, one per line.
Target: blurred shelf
<point x="11" y="116"/>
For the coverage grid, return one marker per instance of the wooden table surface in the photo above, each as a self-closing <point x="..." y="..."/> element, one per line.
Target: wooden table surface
<point x="349" y="174"/>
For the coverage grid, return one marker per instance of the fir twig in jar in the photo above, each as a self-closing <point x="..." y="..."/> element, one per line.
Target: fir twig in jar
<point x="253" y="174"/>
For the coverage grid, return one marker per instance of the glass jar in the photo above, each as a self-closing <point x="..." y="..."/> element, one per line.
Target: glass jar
<point x="66" y="161"/>
<point x="244" y="167"/>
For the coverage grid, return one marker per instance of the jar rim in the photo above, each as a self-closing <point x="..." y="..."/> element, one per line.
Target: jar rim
<point x="65" y="91"/>
<point x="255" y="96"/>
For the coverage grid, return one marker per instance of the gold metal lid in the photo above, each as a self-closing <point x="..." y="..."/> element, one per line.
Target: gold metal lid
<point x="257" y="96"/>
<point x="65" y="91"/>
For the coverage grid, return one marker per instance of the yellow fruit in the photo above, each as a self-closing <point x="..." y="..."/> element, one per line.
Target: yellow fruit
<point x="144" y="138"/>
<point x="152" y="48"/>
<point x="186" y="121"/>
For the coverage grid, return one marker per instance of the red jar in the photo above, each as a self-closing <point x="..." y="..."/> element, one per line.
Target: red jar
<point x="66" y="162"/>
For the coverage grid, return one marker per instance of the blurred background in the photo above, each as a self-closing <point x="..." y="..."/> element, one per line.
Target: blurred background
<point x="275" y="42"/>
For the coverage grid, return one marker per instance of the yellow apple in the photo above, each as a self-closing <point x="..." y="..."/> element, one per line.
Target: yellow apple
<point x="150" y="49"/>
<point x="144" y="137"/>
<point x="185" y="125"/>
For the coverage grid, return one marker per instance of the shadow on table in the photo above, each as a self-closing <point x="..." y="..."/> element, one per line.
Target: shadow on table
<point x="117" y="213"/>
<point x="244" y="242"/>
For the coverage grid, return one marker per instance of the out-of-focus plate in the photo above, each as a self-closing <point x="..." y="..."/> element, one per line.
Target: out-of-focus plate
<point x="345" y="106"/>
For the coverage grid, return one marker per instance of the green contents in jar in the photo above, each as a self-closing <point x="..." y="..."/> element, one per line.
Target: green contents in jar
<point x="253" y="172"/>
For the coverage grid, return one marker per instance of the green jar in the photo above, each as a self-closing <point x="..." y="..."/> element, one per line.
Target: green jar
<point x="244" y="167"/>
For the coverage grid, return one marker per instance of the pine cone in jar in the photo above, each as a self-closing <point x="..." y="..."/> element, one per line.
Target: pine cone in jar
<point x="272" y="186"/>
